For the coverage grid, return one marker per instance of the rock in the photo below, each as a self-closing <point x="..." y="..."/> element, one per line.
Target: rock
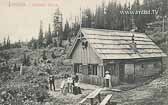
<point x="3" y="93"/>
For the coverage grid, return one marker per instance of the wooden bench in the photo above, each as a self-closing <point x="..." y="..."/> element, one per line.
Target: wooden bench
<point x="94" y="94"/>
<point x="82" y="101"/>
<point x="106" y="100"/>
<point x="91" y="96"/>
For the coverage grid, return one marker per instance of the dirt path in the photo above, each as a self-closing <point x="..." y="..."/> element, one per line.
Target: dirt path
<point x="70" y="98"/>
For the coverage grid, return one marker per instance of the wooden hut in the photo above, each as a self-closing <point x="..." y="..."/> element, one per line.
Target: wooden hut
<point x="128" y="56"/>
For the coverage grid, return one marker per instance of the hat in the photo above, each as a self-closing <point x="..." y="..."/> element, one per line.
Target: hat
<point x="107" y="72"/>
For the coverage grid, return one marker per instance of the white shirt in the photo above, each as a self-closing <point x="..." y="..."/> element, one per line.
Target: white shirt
<point x="62" y="83"/>
<point x="70" y="80"/>
<point x="76" y="84"/>
<point x="107" y="76"/>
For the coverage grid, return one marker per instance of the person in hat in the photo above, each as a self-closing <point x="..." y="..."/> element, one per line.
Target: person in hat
<point x="51" y="82"/>
<point x="108" y="79"/>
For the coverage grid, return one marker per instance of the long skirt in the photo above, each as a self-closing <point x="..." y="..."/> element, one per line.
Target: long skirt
<point x="75" y="90"/>
<point x="65" y="90"/>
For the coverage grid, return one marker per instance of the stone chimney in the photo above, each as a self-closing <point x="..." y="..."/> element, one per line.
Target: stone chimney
<point x="133" y="43"/>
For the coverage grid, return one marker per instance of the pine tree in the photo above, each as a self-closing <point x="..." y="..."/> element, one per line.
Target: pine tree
<point x="40" y="37"/>
<point x="4" y="43"/>
<point x="87" y="18"/>
<point x="140" y="20"/>
<point x="66" y="31"/>
<point x="49" y="36"/>
<point x="99" y="17"/>
<point x="58" y="32"/>
<point x="75" y="28"/>
<point x="19" y="44"/>
<point x="8" y="42"/>
<point x="163" y="12"/>
<point x="113" y="17"/>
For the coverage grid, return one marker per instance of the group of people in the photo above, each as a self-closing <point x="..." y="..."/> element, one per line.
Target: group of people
<point x="69" y="84"/>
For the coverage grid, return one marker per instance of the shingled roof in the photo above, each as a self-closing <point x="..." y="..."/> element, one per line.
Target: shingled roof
<point x="114" y="44"/>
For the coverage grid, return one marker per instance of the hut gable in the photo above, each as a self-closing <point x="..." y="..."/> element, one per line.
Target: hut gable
<point x="113" y="44"/>
<point x="84" y="56"/>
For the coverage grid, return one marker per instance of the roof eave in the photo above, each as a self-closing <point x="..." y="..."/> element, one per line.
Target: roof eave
<point x="73" y="46"/>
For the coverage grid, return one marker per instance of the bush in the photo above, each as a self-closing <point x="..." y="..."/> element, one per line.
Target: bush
<point x="26" y="94"/>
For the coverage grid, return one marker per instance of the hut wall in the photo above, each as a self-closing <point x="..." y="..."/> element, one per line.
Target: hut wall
<point x="142" y="70"/>
<point x="115" y="76"/>
<point x="129" y="72"/>
<point x="91" y="79"/>
<point x="97" y="79"/>
<point x="146" y="69"/>
<point x="86" y="56"/>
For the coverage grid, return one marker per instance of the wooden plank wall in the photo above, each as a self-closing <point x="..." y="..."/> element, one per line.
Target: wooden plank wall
<point x="85" y="56"/>
<point x="148" y="69"/>
<point x="92" y="79"/>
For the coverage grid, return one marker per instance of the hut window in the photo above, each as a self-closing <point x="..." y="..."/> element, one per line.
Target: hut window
<point x="89" y="70"/>
<point x="142" y="66"/>
<point x="77" y="68"/>
<point x="92" y="69"/>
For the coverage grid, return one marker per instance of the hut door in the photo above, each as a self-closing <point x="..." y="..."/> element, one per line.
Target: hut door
<point x="121" y="72"/>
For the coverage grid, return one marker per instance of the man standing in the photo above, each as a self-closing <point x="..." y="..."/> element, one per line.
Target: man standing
<point x="108" y="79"/>
<point x="51" y="82"/>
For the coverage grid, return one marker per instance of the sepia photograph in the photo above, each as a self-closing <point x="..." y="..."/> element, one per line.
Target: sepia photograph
<point x="83" y="52"/>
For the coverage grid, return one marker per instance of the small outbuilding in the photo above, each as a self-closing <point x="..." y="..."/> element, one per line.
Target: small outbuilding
<point x="127" y="56"/>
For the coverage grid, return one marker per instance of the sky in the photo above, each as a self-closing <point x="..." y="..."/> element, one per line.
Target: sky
<point x="20" y="19"/>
